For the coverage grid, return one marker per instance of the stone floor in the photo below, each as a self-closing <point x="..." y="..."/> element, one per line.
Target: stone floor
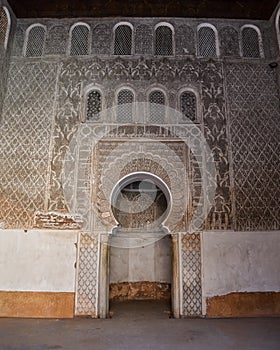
<point x="140" y="325"/>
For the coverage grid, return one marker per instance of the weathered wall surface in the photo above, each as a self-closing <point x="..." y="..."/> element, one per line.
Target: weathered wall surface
<point x="37" y="273"/>
<point x="39" y="261"/>
<point x="148" y="263"/>
<point x="240" y="273"/>
<point x="240" y="262"/>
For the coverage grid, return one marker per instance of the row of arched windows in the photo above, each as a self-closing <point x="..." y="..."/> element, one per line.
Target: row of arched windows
<point x="157" y="101"/>
<point x="251" y="41"/>
<point x="164" y="41"/>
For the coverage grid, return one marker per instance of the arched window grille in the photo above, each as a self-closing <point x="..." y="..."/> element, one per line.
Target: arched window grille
<point x="250" y="42"/>
<point x="94" y="105"/>
<point x="4" y="26"/>
<point x="157" y="106"/>
<point x="163" y="41"/>
<point x="207" y="43"/>
<point x="188" y="106"/>
<point x="35" y="41"/>
<point x="79" y="40"/>
<point x="123" y="40"/>
<point x="125" y="101"/>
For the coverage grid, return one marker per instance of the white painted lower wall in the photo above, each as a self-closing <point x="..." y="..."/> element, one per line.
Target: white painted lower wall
<point x="37" y="260"/>
<point x="240" y="262"/>
<point x="44" y="260"/>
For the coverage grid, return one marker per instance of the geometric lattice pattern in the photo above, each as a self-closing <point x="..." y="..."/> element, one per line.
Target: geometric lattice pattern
<point x="79" y="40"/>
<point x="255" y="129"/>
<point x="157" y="102"/>
<point x="164" y="41"/>
<point x="206" y="42"/>
<point x="125" y="100"/>
<point x="250" y="43"/>
<point x="188" y="105"/>
<point x="191" y="275"/>
<point x="87" y="275"/>
<point x="94" y="105"/>
<point x="24" y="137"/>
<point x="123" y="40"/>
<point x="3" y="25"/>
<point x="35" y="41"/>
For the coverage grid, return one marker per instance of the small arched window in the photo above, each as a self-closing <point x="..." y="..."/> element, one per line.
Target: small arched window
<point x="207" y="41"/>
<point x="5" y="23"/>
<point x="163" y="41"/>
<point x="94" y="105"/>
<point x="125" y="99"/>
<point x="123" y="40"/>
<point x="250" y="42"/>
<point x="188" y="106"/>
<point x="35" y="40"/>
<point x="79" y="39"/>
<point x="157" y="106"/>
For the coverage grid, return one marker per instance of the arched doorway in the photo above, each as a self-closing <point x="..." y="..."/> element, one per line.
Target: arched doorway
<point x="141" y="247"/>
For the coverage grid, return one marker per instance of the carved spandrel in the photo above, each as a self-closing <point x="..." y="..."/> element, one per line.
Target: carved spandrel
<point x="56" y="41"/>
<point x="101" y="40"/>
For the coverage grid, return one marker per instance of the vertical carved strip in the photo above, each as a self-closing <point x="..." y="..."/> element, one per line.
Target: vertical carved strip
<point x="191" y="275"/>
<point x="87" y="275"/>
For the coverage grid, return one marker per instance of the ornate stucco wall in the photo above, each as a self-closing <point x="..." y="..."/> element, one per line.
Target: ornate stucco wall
<point x="53" y="179"/>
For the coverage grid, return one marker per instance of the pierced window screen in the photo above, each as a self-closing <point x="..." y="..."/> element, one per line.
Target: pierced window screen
<point x="123" y="40"/>
<point x="35" y="42"/>
<point x="125" y="106"/>
<point x="250" y="43"/>
<point x="207" y="42"/>
<point x="94" y="105"/>
<point x="157" y="102"/>
<point x="188" y="105"/>
<point x="79" y="40"/>
<point x="164" y="41"/>
<point x="3" y="25"/>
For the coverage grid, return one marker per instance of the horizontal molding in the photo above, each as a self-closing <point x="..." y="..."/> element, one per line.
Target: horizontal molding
<point x="37" y="304"/>
<point x="243" y="304"/>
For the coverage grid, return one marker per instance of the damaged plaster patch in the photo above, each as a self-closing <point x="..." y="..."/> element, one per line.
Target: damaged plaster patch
<point x="57" y="220"/>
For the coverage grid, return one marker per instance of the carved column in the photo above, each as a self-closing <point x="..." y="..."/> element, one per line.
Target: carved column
<point x="175" y="286"/>
<point x="104" y="276"/>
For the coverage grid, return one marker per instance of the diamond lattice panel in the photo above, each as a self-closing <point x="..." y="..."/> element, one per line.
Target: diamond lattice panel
<point x="24" y="138"/>
<point x="191" y="275"/>
<point x="87" y="286"/>
<point x="254" y="126"/>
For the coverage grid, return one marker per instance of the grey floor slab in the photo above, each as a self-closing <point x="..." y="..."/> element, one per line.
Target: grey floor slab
<point x="140" y="325"/>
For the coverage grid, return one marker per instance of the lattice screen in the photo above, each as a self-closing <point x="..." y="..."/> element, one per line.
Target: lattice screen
<point x="207" y="42"/>
<point x="191" y="275"/>
<point x="3" y="25"/>
<point x="157" y="102"/>
<point x="79" y="40"/>
<point x="35" y="41"/>
<point x="188" y="105"/>
<point x="87" y="275"/>
<point x="250" y="43"/>
<point x="125" y="107"/>
<point x="123" y="40"/>
<point x="94" y="105"/>
<point x="164" y="41"/>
